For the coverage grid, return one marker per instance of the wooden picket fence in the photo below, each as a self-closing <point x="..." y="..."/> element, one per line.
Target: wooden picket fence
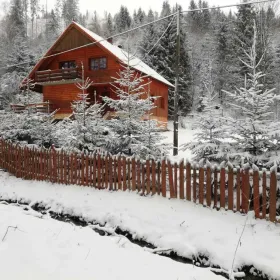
<point x="239" y="190"/>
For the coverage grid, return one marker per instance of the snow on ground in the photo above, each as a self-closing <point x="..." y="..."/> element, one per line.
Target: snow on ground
<point x="49" y="249"/>
<point x="186" y="228"/>
<point x="185" y="135"/>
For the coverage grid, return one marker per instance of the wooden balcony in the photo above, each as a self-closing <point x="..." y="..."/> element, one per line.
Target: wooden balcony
<point x="57" y="76"/>
<point x="61" y="76"/>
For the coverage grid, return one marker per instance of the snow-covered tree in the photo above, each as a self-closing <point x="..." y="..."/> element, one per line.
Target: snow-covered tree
<point x="209" y="141"/>
<point x="87" y="130"/>
<point x="254" y="128"/>
<point x="131" y="133"/>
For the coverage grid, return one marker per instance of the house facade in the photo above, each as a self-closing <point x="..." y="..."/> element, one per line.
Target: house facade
<point x="56" y="75"/>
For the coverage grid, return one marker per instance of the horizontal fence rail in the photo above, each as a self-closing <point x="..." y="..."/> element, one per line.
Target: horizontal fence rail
<point x="239" y="190"/>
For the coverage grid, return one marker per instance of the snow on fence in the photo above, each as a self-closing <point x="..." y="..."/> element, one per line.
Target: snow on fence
<point x="239" y="190"/>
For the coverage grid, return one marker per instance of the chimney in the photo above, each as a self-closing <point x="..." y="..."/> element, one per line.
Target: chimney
<point x="110" y="40"/>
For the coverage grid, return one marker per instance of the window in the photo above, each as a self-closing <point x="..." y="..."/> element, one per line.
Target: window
<point x="98" y="63"/>
<point x="67" y="64"/>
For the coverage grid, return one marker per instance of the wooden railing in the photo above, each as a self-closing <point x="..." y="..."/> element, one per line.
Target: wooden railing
<point x="57" y="75"/>
<point x="44" y="107"/>
<point x="237" y="190"/>
<point x="98" y="76"/>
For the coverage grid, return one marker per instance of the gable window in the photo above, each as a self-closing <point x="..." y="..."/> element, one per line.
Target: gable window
<point x="67" y="64"/>
<point x="98" y="63"/>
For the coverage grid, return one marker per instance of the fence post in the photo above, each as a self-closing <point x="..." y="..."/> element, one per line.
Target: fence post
<point x="175" y="180"/>
<point x="272" y="198"/>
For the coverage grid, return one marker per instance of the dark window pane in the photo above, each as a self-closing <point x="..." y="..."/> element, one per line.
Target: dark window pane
<point x="67" y="64"/>
<point x="94" y="64"/>
<point x="103" y="63"/>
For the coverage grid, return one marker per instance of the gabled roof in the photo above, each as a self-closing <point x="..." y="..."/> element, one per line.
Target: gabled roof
<point x="119" y="53"/>
<point x="122" y="55"/>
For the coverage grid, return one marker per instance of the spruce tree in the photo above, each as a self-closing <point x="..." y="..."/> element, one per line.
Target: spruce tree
<point x="130" y="133"/>
<point x="254" y="128"/>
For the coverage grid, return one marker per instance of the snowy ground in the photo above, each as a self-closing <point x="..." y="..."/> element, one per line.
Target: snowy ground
<point x="185" y="135"/>
<point x="42" y="248"/>
<point x="179" y="225"/>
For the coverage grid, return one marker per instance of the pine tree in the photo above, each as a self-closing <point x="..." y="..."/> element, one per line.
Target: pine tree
<point x="123" y="19"/>
<point x="244" y="26"/>
<point x="95" y="24"/>
<point x="254" y="128"/>
<point x="52" y="28"/>
<point x="131" y="134"/>
<point x="70" y="11"/>
<point x="210" y="136"/>
<point x="87" y="130"/>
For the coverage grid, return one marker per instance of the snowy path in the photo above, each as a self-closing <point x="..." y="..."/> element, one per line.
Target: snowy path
<point x="187" y="228"/>
<point x="49" y="249"/>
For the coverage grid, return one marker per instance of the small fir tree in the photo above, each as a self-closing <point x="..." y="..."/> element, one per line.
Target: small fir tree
<point x="254" y="128"/>
<point x="131" y="134"/>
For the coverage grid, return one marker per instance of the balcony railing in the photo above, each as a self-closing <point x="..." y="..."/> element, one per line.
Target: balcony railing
<point x="57" y="75"/>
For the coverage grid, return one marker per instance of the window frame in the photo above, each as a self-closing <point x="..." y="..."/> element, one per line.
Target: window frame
<point x="99" y="63"/>
<point x="67" y="61"/>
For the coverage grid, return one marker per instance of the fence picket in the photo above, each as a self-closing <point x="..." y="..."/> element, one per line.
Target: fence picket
<point x="201" y="185"/>
<point x="230" y="188"/>
<point x="105" y="171"/>
<point x="181" y="180"/>
<point x="170" y="177"/>
<point x="153" y="177"/>
<point x="194" y="184"/>
<point x="264" y="202"/>
<point x="208" y="186"/>
<point x="272" y="200"/>
<point x="256" y="197"/>
<point x="163" y="178"/>
<point x="133" y="172"/>
<point x="223" y="188"/>
<point x="124" y="174"/>
<point x="148" y="176"/>
<point x="215" y="187"/>
<point x="238" y="188"/>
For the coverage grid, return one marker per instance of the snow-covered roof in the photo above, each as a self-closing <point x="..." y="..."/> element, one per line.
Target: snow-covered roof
<point x="122" y="55"/>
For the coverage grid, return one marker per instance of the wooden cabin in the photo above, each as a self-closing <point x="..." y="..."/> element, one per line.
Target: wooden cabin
<point x="56" y="75"/>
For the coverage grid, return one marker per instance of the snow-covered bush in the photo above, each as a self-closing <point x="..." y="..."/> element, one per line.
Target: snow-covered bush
<point x="35" y="128"/>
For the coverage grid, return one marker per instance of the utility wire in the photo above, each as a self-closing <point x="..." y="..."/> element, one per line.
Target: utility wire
<point x="138" y="27"/>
